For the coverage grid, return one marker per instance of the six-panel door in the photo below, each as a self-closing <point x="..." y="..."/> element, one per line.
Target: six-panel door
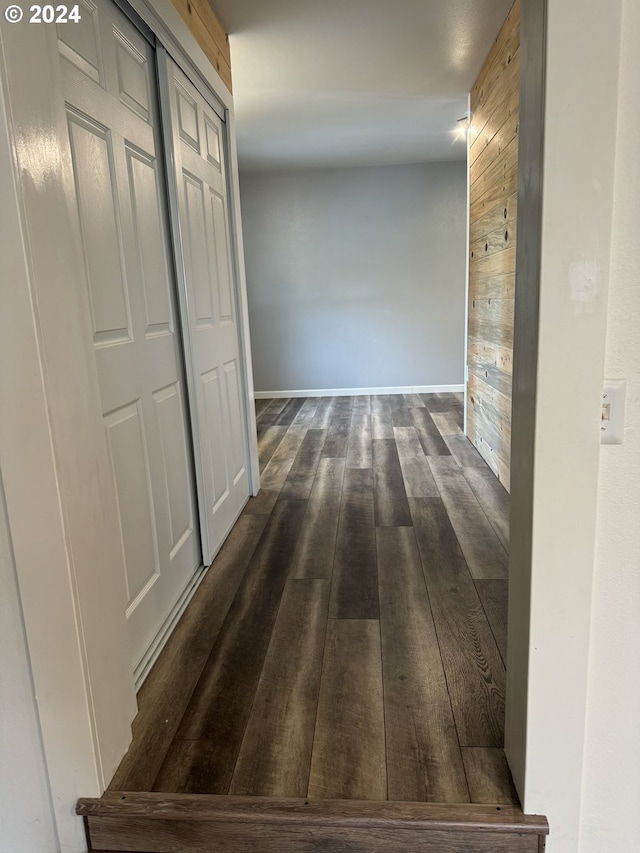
<point x="109" y="85"/>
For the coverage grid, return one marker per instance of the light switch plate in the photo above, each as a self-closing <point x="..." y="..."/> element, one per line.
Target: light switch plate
<point x="612" y="424"/>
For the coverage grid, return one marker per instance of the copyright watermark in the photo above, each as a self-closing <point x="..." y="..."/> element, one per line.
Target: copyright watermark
<point x="13" y="14"/>
<point x="46" y="14"/>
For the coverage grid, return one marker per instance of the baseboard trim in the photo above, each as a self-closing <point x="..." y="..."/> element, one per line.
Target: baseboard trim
<point x="358" y="392"/>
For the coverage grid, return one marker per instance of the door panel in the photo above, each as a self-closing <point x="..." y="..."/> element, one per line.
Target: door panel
<point x="109" y="85"/>
<point x="209" y="320"/>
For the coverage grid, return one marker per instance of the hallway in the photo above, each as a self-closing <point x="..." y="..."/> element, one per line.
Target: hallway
<point x="349" y="641"/>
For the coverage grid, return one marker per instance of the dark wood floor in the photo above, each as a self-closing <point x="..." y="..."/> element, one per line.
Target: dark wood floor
<point x="349" y="640"/>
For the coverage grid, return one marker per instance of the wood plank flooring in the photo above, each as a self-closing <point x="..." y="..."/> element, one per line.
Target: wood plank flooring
<point x="349" y="641"/>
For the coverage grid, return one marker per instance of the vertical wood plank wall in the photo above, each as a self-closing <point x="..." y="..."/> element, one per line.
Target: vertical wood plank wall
<point x="493" y="177"/>
<point x="209" y="33"/>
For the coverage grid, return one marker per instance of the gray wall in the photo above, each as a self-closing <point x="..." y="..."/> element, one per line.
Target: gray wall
<point x="356" y="277"/>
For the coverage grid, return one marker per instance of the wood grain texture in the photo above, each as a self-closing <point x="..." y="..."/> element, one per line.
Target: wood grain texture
<point x="447" y="423"/>
<point x="354" y="591"/>
<point x="268" y="441"/>
<point x="300" y="478"/>
<point x="324" y="412"/>
<point x="489" y="776"/>
<point x="314" y="554"/>
<point x="275" y="755"/>
<point x="137" y="835"/>
<point x="423" y="754"/>
<point x="493" y="498"/>
<point x="208" y="32"/>
<point x="159" y="836"/>
<point x="359" y="445"/>
<point x="389" y="496"/>
<point x="494" y="596"/>
<point x="432" y="442"/>
<point x="237" y="688"/>
<point x="416" y="473"/>
<point x="219" y="709"/>
<point x="168" y="688"/>
<point x="277" y="469"/>
<point x="480" y="545"/>
<point x="381" y="423"/>
<point x="464" y="452"/>
<point x="307" y="812"/>
<point x="473" y="667"/>
<point x="348" y="759"/>
<point x="493" y="170"/>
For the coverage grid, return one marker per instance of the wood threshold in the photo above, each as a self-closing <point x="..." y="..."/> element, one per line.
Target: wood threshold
<point x="370" y="814"/>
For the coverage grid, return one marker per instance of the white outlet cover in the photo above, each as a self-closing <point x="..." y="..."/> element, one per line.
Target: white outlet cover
<point x="613" y="397"/>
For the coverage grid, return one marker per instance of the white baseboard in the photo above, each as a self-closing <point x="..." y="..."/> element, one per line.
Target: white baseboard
<point x="357" y="392"/>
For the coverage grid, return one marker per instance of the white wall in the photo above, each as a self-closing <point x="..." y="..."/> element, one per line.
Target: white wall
<point x="26" y="818"/>
<point x="611" y="804"/>
<point x="572" y="732"/>
<point x="356" y="277"/>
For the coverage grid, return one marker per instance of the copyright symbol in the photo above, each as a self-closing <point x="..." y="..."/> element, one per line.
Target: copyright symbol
<point x="13" y="14"/>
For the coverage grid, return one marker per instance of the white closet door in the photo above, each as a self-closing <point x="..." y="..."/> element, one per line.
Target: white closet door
<point x="211" y="323"/>
<point x="109" y="84"/>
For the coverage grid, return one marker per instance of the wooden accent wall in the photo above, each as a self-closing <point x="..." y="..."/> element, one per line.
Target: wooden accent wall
<point x="493" y="176"/>
<point x="208" y="32"/>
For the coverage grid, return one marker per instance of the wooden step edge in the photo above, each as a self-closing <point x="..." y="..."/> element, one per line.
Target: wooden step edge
<point x="346" y="813"/>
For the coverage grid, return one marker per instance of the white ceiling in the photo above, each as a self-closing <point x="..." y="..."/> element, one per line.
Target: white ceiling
<point x="331" y="83"/>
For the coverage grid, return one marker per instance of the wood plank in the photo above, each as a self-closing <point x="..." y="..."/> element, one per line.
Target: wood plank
<point x="164" y="696"/>
<point x="492" y="320"/>
<point x="278" y="405"/>
<point x="337" y="440"/>
<point x="493" y="498"/>
<point x="496" y="145"/>
<point x="359" y="445"/>
<point x="300" y="478"/>
<point x="473" y="667"/>
<point x="262" y="503"/>
<point x="138" y="835"/>
<point x="290" y="411"/>
<point x="381" y="424"/>
<point x="362" y="404"/>
<point x="482" y="549"/>
<point x="275" y="755"/>
<point x="414" y="401"/>
<point x="307" y="411"/>
<point x="204" y="26"/>
<point x="506" y="43"/>
<point x="389" y="496"/>
<point x="464" y="452"/>
<point x="482" y="354"/>
<point x="348" y="758"/>
<point x="375" y="814"/>
<point x="268" y="441"/>
<point x="500" y="216"/>
<point x="354" y="591"/>
<point x="423" y="754"/>
<point x="489" y="776"/>
<point x="204" y="751"/>
<point x="432" y="442"/>
<point x="313" y="557"/>
<point x="488" y="265"/>
<point x="447" y="424"/>
<point x="260" y="404"/>
<point x="324" y="413"/>
<point x="494" y="596"/>
<point x="416" y="473"/>
<point x="277" y="470"/>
